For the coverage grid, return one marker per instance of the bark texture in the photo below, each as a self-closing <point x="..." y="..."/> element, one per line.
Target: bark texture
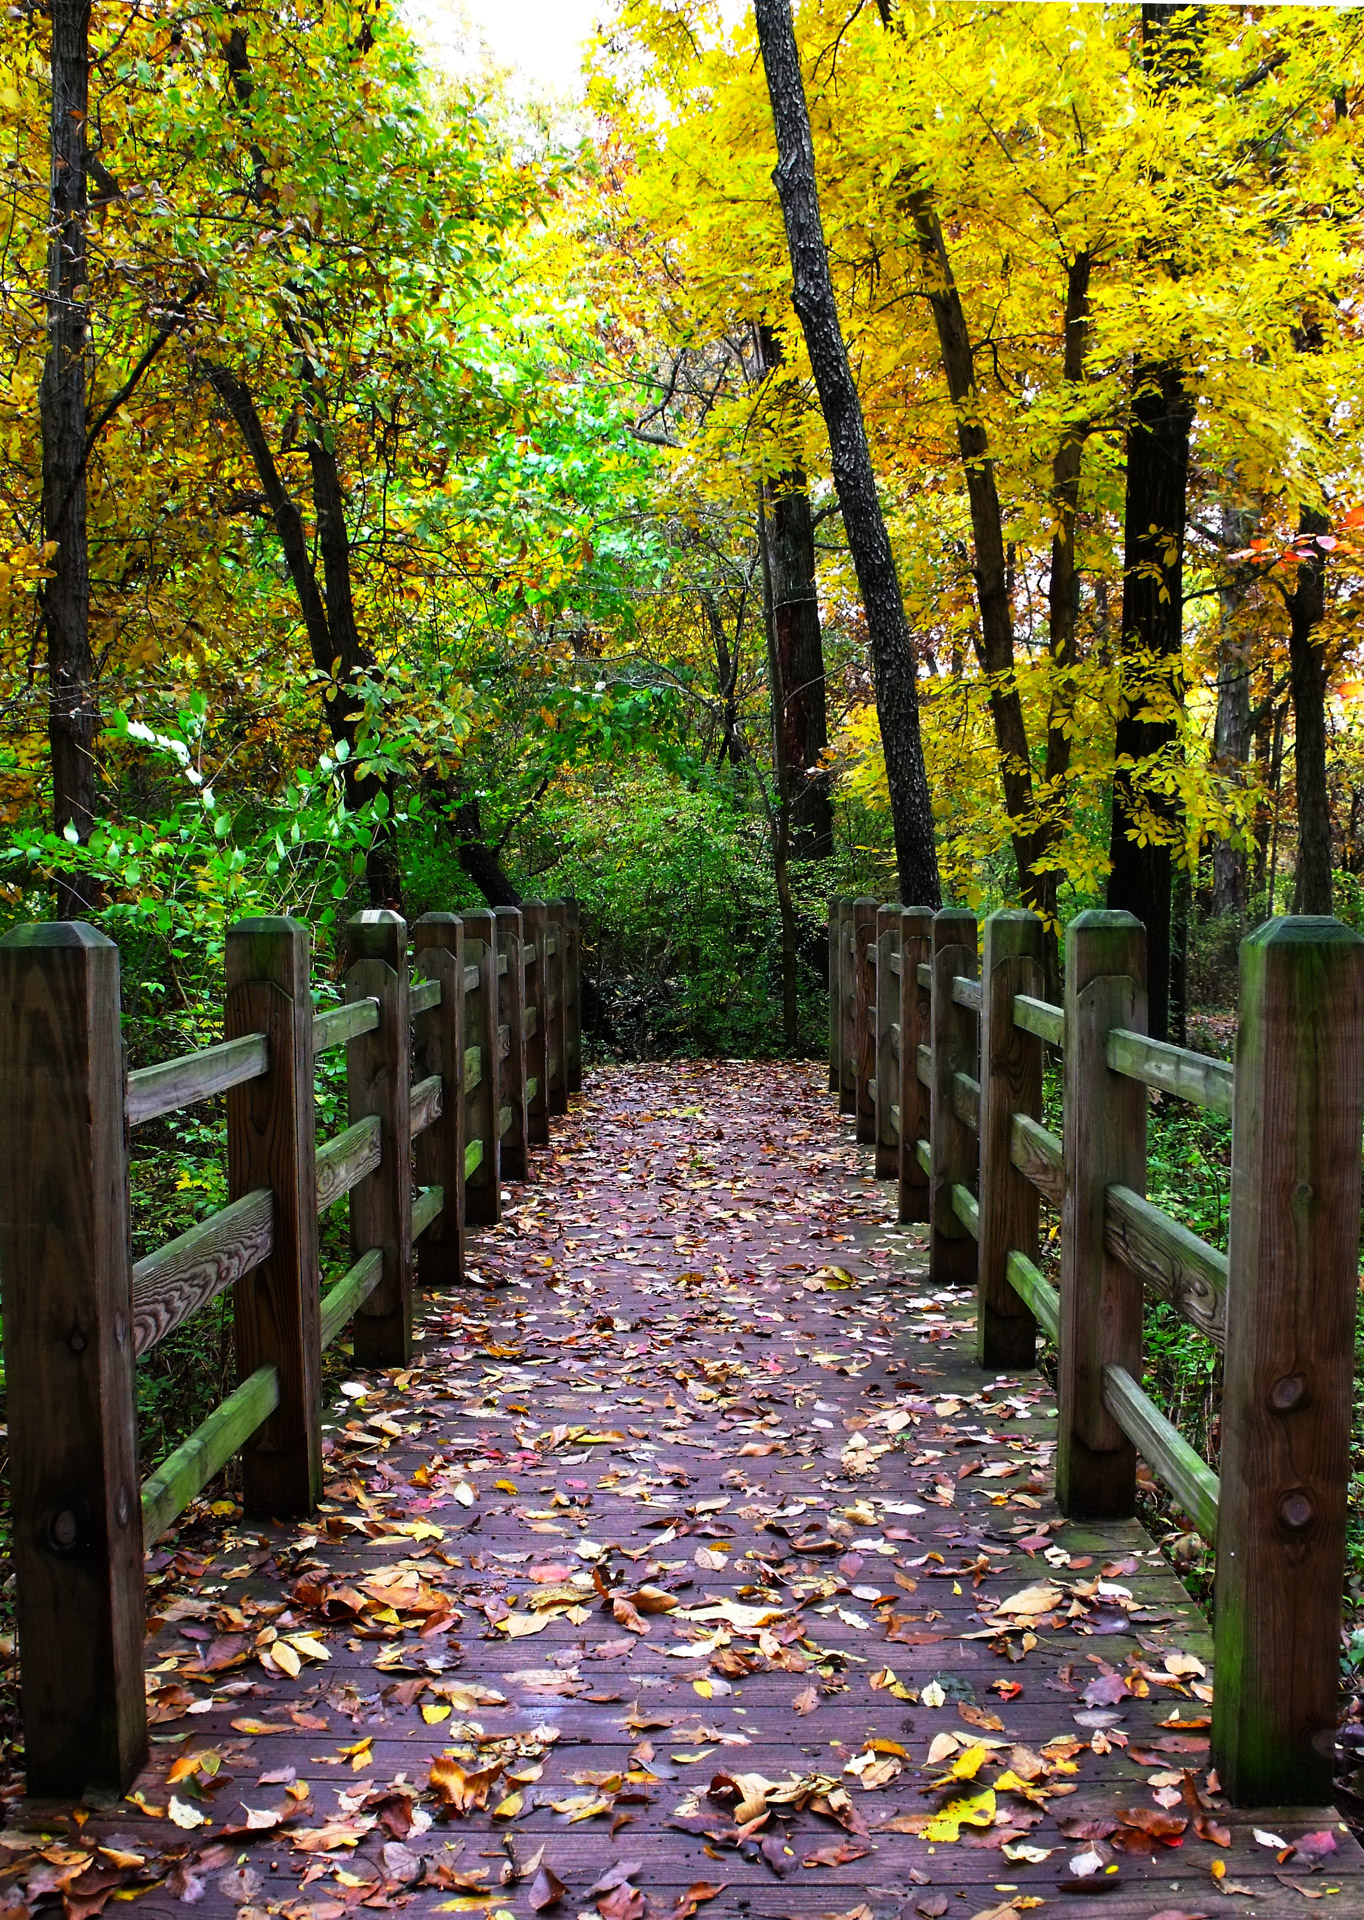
<point x="892" y="658"/>
<point x="1312" y="891"/>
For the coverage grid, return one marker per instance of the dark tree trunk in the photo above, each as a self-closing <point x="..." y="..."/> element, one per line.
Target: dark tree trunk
<point x="1152" y="659"/>
<point x="726" y="681"/>
<point x="1312" y="892"/>
<point x="479" y="860"/>
<point x="73" y="715"/>
<point x="799" y="644"/>
<point x="812" y="293"/>
<point x="781" y="813"/>
<point x="1231" y="738"/>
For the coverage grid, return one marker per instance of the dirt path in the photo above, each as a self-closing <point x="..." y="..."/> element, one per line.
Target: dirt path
<point x="692" y="1552"/>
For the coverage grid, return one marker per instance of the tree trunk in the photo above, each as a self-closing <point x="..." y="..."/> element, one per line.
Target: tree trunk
<point x="812" y="293"/>
<point x="73" y="715"/>
<point x="1307" y="664"/>
<point x="479" y="860"/>
<point x="727" y="682"/>
<point x="1231" y="727"/>
<point x="1152" y="662"/>
<point x="781" y="813"/>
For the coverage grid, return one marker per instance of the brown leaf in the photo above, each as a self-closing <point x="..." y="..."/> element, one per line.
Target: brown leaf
<point x="459" y="1790"/>
<point x="838" y="1855"/>
<point x="807" y="1699"/>
<point x="546" y="1890"/>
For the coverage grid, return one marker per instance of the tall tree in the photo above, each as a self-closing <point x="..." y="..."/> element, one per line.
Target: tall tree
<point x="812" y="294"/>
<point x="1312" y="890"/>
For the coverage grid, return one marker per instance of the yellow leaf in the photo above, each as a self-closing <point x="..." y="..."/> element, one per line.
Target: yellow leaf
<point x="434" y="1715"/>
<point x="509" y="1808"/>
<point x="947" y="1822"/>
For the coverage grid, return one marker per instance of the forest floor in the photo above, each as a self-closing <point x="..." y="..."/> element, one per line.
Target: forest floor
<point x="692" y="1568"/>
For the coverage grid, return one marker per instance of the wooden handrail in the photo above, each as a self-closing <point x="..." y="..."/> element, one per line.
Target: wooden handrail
<point x="1192" y="1076"/>
<point x="966" y="993"/>
<point x="194" y="1268"/>
<point x="1040" y="1017"/>
<point x="345" y="1160"/>
<point x="1164" y="1448"/>
<point x="422" y="996"/>
<point x="172" y="1084"/>
<point x="339" y="1024"/>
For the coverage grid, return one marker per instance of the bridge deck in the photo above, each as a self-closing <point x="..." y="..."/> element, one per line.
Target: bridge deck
<point x="673" y="1384"/>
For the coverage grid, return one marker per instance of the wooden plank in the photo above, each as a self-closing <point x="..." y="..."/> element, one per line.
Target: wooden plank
<point x="471" y="979"/>
<point x="537" y="1103"/>
<point x="1171" y="1261"/>
<point x="847" y="1008"/>
<point x="473" y="1157"/>
<point x="426" y="1207"/>
<point x="271" y="1142"/>
<point x="506" y="1119"/>
<point x="1010" y="1084"/>
<point x="895" y="962"/>
<point x="1037" y="1154"/>
<point x="339" y="1024"/>
<point x="424" y="995"/>
<point x="482" y="1181"/>
<point x="966" y="1100"/>
<point x="1105" y="1145"/>
<point x="573" y="996"/>
<point x="967" y="1209"/>
<point x="966" y="993"/>
<point x="171" y="1084"/>
<point x="915" y="1023"/>
<point x="1040" y="1017"/>
<point x="835" y="933"/>
<point x="1190" y="1479"/>
<point x="71" y="1395"/>
<point x="923" y="1153"/>
<point x="341" y="1301"/>
<point x="378" y="1083"/>
<point x="1036" y="1291"/>
<point x="207" y="1451"/>
<point x="1192" y="1076"/>
<point x="864" y="1018"/>
<point x="346" y="1159"/>
<point x="924" y="974"/>
<point x="438" y="1053"/>
<point x="556" y="1084"/>
<point x="426" y="1104"/>
<point x="532" y="1086"/>
<point x="955" y="1049"/>
<point x="885" y="1038"/>
<point x="188" y="1272"/>
<point x="923" y="1066"/>
<point x="1287" y="1382"/>
<point x="512" y="1057"/>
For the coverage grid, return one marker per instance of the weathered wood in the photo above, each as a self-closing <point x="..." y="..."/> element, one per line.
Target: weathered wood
<point x="512" y="1058"/>
<point x="835" y="1012"/>
<point x="1105" y="1145"/>
<point x="1037" y="1155"/>
<point x="1294" y="1239"/>
<point x="482" y="1182"/>
<point x="1170" y="1260"/>
<point x="339" y="1024"/>
<point x="345" y="1160"/>
<point x="1040" y="1017"/>
<point x="573" y="996"/>
<point x="172" y="1084"/>
<point x="864" y="921"/>
<point x="505" y="1121"/>
<point x="847" y="1010"/>
<point x="530" y="1023"/>
<point x="341" y="1301"/>
<point x="556" y="1083"/>
<point x="1010" y="1083"/>
<point x="473" y="1158"/>
<point x="966" y="1100"/>
<point x="923" y="1066"/>
<point x="426" y="1106"/>
<point x="895" y="961"/>
<point x="1036" y="1292"/>
<point x="71" y="1397"/>
<point x="967" y="993"/>
<point x="194" y="1268"/>
<point x="886" y="1053"/>
<point x="923" y="1153"/>
<point x="271" y="1142"/>
<point x="1192" y="1076"/>
<point x="1190" y="1479"/>
<point x="427" y="1207"/>
<point x="537" y="1103"/>
<point x="924" y="974"/>
<point x="207" y="1451"/>
<point x="423" y="995"/>
<point x="967" y="1209"/>
<point x="438" y="1048"/>
<point x="913" y="1015"/>
<point x="955" y="1049"/>
<point x="378" y="1082"/>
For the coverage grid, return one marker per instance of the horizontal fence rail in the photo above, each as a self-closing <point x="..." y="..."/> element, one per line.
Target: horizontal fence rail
<point x="938" y="1039"/>
<point x="457" y="1053"/>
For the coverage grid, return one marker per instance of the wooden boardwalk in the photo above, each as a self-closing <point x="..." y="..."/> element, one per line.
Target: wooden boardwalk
<point x="702" y="1570"/>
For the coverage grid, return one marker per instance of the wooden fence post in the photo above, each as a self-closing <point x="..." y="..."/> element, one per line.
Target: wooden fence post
<point x="864" y="1027"/>
<point x="511" y="1017"/>
<point x="272" y="1142"/>
<point x="835" y="1017"/>
<point x="916" y="950"/>
<point x="887" y="1042"/>
<point x="573" y="996"/>
<point x="1104" y="1145"/>
<point x="66" y="1263"/>
<point x="1286" y="1405"/>
<point x="537" y="1091"/>
<point x="378" y="1081"/>
<point x="847" y="1012"/>
<point x="438" y="1048"/>
<point x="483" y="1189"/>
<point x="555" y="1077"/>
<point x="952" y="1248"/>
<point x="1010" y="1083"/>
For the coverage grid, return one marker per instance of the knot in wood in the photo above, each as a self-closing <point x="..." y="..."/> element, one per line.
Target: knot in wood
<point x="1288" y="1392"/>
<point x="1296" y="1510"/>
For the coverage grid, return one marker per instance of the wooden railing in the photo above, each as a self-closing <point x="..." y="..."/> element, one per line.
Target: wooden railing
<point x="940" y="1060"/>
<point x="454" y="1063"/>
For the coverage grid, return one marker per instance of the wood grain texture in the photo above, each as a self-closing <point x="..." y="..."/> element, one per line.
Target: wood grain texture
<point x="427" y="1101"/>
<point x="346" y="1159"/>
<point x="1191" y="1076"/>
<point x="966" y="1100"/>
<point x="1294" y="1240"/>
<point x="835" y="932"/>
<point x="1040" y="1017"/>
<point x="1010" y="1083"/>
<point x="207" y="1451"/>
<point x="967" y="993"/>
<point x="1170" y="1260"/>
<point x="864" y="1018"/>
<point x="912" y="1098"/>
<point x="378" y="1083"/>
<point x="1105" y="1144"/>
<point x="556" y="946"/>
<point x="172" y="1084"/>
<point x="1032" y="1287"/>
<point x="847" y="1010"/>
<point x="512" y="1057"/>
<point x="341" y="1301"/>
<point x="188" y="1272"/>
<point x="967" y="1209"/>
<point x="1038" y="1155"/>
<point x="483" y="1185"/>
<point x="955" y="1049"/>
<point x="271" y="1142"/>
<point x="573" y="995"/>
<point x="339" y="1024"/>
<point x="65" y="1269"/>
<point x="887" y="1052"/>
<point x="537" y="1103"/>
<point x="1190" y="1479"/>
<point x="423" y="994"/>
<point x="427" y="1207"/>
<point x="438" y="1049"/>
